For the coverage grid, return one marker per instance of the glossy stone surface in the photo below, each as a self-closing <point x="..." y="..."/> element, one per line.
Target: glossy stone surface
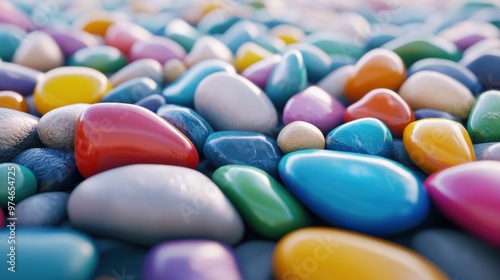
<point x="11" y="37"/>
<point x="183" y="33"/>
<point x="208" y="47"/>
<point x="39" y="51"/>
<point x="334" y="83"/>
<point x="248" y="54"/>
<point x="483" y="66"/>
<point x="181" y="92"/>
<point x="492" y="152"/>
<point x="378" y="68"/>
<point x="475" y="208"/>
<point x="66" y="246"/>
<point x="239" y="33"/>
<point x="436" y="144"/>
<point x="132" y="91"/>
<point x="468" y="32"/>
<point x="18" y="78"/>
<point x="288" y="33"/>
<point x="326" y="253"/>
<point x="151" y="102"/>
<point x="256" y="253"/>
<point x="142" y="68"/>
<point x="230" y="102"/>
<point x="289" y="77"/>
<point x="87" y="85"/>
<point x="431" y="113"/>
<point x="158" y="48"/>
<point x="315" y="106"/>
<point x="483" y="124"/>
<point x="390" y="199"/>
<point x="433" y="90"/>
<point x="105" y="59"/>
<point x="243" y="148"/>
<point x="385" y="105"/>
<point x="13" y="100"/>
<point x="259" y="72"/>
<point x="122" y="35"/>
<point x="71" y="40"/>
<point x="178" y="203"/>
<point x="265" y="205"/>
<point x="175" y="259"/>
<point x="19" y="183"/>
<point x="317" y="62"/>
<point x="335" y="44"/>
<point x="42" y="210"/>
<point x="299" y="135"/>
<point x="112" y="135"/>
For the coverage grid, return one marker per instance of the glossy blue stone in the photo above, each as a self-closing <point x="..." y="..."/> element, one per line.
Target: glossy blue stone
<point x="339" y="60"/>
<point x="449" y="68"/>
<point x="189" y="122"/>
<point x="269" y="43"/>
<point x="214" y="23"/>
<point x="431" y="113"/>
<point x="243" y="147"/>
<point x="42" y="210"/>
<point x="11" y="37"/>
<point x="317" y="62"/>
<point x="151" y="102"/>
<point x="240" y="33"/>
<point x="288" y="77"/>
<point x="54" y="169"/>
<point x="43" y="253"/>
<point x="181" y="92"/>
<point x="18" y="78"/>
<point x="364" y="136"/>
<point x="485" y="67"/>
<point x="363" y="193"/>
<point x="132" y="91"/>
<point x="378" y="41"/>
<point x="400" y="155"/>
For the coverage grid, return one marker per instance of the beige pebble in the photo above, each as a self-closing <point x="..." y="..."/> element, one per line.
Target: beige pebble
<point x="299" y="135"/>
<point x="173" y="69"/>
<point x="39" y="51"/>
<point x="208" y="47"/>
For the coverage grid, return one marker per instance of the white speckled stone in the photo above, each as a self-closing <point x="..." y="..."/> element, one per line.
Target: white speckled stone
<point x="208" y="47"/>
<point x="299" y="135"/>
<point x="39" y="51"/>
<point x="147" y="68"/>
<point x="334" y="82"/>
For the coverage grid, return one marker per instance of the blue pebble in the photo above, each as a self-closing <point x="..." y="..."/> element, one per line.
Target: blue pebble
<point x="364" y="136"/>
<point x="252" y="254"/>
<point x="214" y="23"/>
<point x="43" y="209"/>
<point x="152" y="102"/>
<point x="245" y="148"/>
<point x="339" y="60"/>
<point x="485" y="67"/>
<point x="132" y="91"/>
<point x="54" y="169"/>
<point x="431" y="113"/>
<point x="240" y="33"/>
<point x="400" y="155"/>
<point x="189" y="122"/>
<point x="318" y="63"/>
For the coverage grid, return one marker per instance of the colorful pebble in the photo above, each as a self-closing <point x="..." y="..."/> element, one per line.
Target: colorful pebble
<point x="105" y="59"/>
<point x="18" y="78"/>
<point x="39" y="51"/>
<point x="259" y="72"/>
<point x="123" y="35"/>
<point x="208" y="47"/>
<point x="299" y="135"/>
<point x="492" y="153"/>
<point x="483" y="122"/>
<point x="13" y="100"/>
<point x="248" y="54"/>
<point x="158" y="48"/>
<point x="142" y="68"/>
<point x="132" y="91"/>
<point x="71" y="40"/>
<point x="42" y="210"/>
<point x="19" y="180"/>
<point x="254" y="254"/>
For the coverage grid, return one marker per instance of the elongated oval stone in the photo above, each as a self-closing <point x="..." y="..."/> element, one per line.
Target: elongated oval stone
<point x="42" y="210"/>
<point x="389" y="198"/>
<point x="326" y="253"/>
<point x="18" y="78"/>
<point x="231" y="102"/>
<point x="264" y="203"/>
<point x="132" y="91"/>
<point x="105" y="59"/>
<point x="71" y="40"/>
<point x="259" y="72"/>
<point x="13" y="100"/>
<point x="73" y="255"/>
<point x="142" y="68"/>
<point x="175" y="202"/>
<point x="483" y="124"/>
<point x="208" y="47"/>
<point x="158" y="48"/>
<point x="122" y="35"/>
<point x="19" y="180"/>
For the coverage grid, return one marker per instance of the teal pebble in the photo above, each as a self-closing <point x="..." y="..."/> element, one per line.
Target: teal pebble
<point x="132" y="91"/>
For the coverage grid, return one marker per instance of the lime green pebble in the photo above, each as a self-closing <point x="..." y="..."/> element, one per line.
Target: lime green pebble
<point x="17" y="183"/>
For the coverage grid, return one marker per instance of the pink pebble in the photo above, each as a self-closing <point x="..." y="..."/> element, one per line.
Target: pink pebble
<point x="259" y="72"/>
<point x="158" y="48"/>
<point x="123" y="35"/>
<point x="11" y="14"/>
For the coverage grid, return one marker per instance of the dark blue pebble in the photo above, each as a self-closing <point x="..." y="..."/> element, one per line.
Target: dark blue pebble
<point x="255" y="259"/>
<point x="43" y="209"/>
<point x="431" y="113"/>
<point x="485" y="67"/>
<point x="132" y="91"/>
<point x="152" y="102"/>
<point x="18" y="78"/>
<point x="206" y="168"/>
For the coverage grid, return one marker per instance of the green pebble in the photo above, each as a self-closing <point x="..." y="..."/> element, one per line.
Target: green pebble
<point x="265" y="205"/>
<point x="21" y="178"/>
<point x="101" y="58"/>
<point x="334" y="44"/>
<point x="484" y="119"/>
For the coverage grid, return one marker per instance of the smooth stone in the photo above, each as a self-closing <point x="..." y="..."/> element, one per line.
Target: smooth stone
<point x="264" y="204"/>
<point x="39" y="51"/>
<point x="270" y="43"/>
<point x="431" y="113"/>
<point x="191" y="259"/>
<point x="437" y="144"/>
<point x="252" y="254"/>
<point x="315" y="106"/>
<point x="288" y="77"/>
<point x="20" y="183"/>
<point x="57" y="128"/>
<point x="240" y="33"/>
<point x="474" y="209"/>
<point x="142" y="68"/>
<point x="158" y="48"/>
<point x="400" y="155"/>
<point x="11" y="14"/>
<point x="261" y="151"/>
<point x="335" y="44"/>
<point x="110" y="135"/>
<point x="327" y="253"/>
<point x="459" y="255"/>
<point x="183" y="33"/>
<point x="389" y="198"/>
<point x="339" y="61"/>
<point x="483" y="66"/>
<point x="300" y="135"/>
<point x="151" y="102"/>
<point x="248" y="54"/>
<point x="71" y="40"/>
<point x="118" y="259"/>
<point x="449" y="68"/>
<point x="414" y="48"/>
<point x="11" y="37"/>
<point x="230" y="102"/>
<point x="378" y="68"/>
<point x="318" y="63"/>
<point x="97" y="22"/>
<point x="54" y="169"/>
<point x="480" y="148"/>
<point x="18" y="133"/>
<point x="105" y="59"/>
<point x="178" y="203"/>
<point x="18" y="78"/>
<point x="259" y="72"/>
<point x="492" y="153"/>
<point x="73" y="255"/>
<point x="288" y="33"/>
<point x="132" y="91"/>
<point x="208" y="47"/>
<point x="385" y="105"/>
<point x="42" y="210"/>
<point x="482" y="47"/>
<point x="378" y="39"/>
<point x="182" y="91"/>
<point x="484" y="123"/>
<point x="86" y="85"/>
<point x="189" y="122"/>
<point x="364" y="136"/>
<point x="122" y="35"/>
<point x="213" y="23"/>
<point x="13" y="100"/>
<point x="334" y="83"/>
<point x="173" y="69"/>
<point x="468" y="32"/>
<point x="433" y="90"/>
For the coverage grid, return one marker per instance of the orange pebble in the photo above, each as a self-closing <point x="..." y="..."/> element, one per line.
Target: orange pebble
<point x="13" y="100"/>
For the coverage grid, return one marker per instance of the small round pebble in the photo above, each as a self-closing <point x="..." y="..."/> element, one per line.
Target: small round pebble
<point x="299" y="135"/>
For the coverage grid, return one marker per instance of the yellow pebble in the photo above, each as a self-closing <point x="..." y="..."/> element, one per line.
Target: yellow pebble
<point x="97" y="23"/>
<point x="288" y="33"/>
<point x="248" y="54"/>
